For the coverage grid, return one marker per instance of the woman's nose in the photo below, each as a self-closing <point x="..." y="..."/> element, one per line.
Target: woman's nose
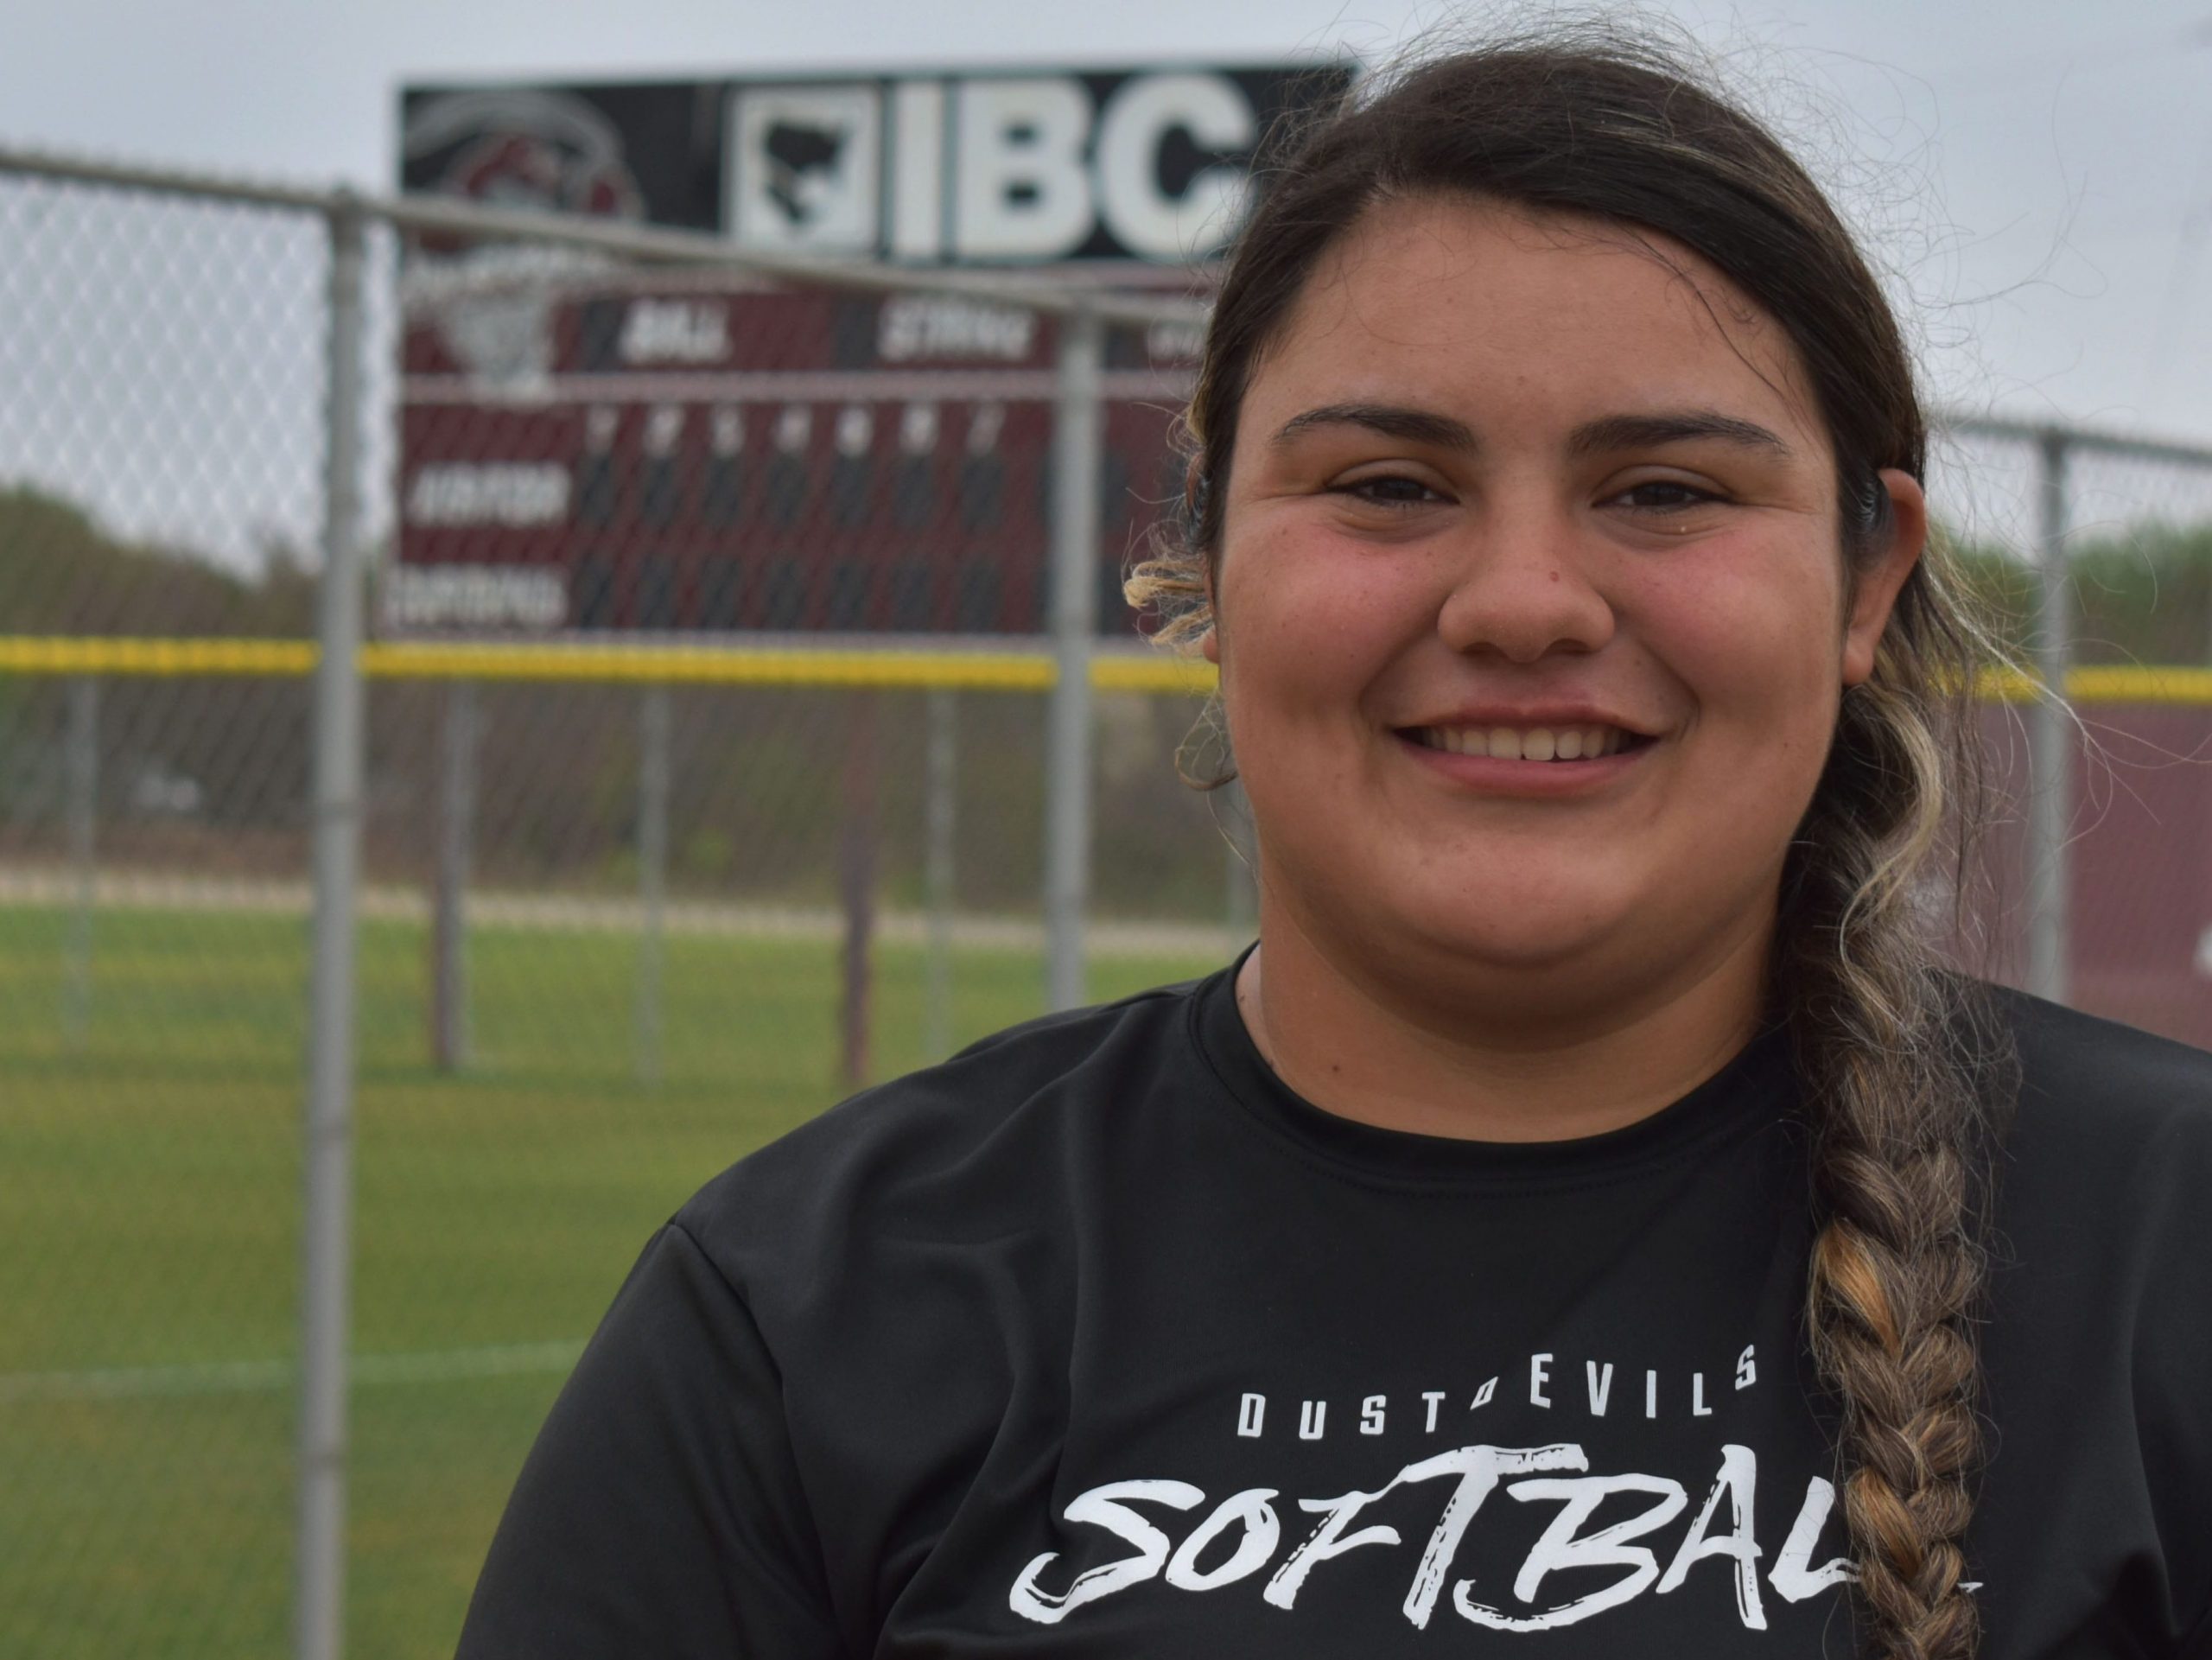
<point x="1523" y="588"/>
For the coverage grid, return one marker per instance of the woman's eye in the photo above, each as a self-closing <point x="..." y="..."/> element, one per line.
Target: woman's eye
<point x="1665" y="496"/>
<point x="1387" y="490"/>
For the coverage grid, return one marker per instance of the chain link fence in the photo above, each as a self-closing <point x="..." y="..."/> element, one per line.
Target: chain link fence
<point x="726" y="737"/>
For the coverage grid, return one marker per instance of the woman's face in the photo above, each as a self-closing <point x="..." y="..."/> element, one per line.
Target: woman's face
<point x="1533" y="618"/>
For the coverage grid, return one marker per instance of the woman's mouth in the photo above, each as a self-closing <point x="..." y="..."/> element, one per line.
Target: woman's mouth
<point x="1549" y="743"/>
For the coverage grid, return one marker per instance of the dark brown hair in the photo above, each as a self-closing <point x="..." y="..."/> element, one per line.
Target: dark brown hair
<point x="1895" y="1053"/>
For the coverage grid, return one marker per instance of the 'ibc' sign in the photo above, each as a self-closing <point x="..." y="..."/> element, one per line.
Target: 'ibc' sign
<point x="1000" y="167"/>
<point x="995" y="169"/>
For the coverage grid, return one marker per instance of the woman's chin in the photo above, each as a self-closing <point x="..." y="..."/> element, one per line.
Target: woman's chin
<point x="1512" y="941"/>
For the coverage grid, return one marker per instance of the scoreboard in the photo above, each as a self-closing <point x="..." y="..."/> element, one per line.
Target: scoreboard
<point x="589" y="450"/>
<point x="702" y="458"/>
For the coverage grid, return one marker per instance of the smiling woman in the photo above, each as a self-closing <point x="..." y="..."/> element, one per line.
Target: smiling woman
<point x="1599" y="504"/>
<point x="1593" y="1120"/>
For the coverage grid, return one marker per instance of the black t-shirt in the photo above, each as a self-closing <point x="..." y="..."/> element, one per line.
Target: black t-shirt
<point x="1097" y="1340"/>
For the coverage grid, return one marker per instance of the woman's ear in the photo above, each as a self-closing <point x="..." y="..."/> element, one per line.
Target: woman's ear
<point x="1875" y="591"/>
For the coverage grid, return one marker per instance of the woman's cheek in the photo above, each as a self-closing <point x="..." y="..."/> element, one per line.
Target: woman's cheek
<point x="1312" y="620"/>
<point x="1749" y="648"/>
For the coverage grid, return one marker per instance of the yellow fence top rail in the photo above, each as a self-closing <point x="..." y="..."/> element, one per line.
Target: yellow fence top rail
<point x="891" y="667"/>
<point x="35" y="654"/>
<point x="902" y="668"/>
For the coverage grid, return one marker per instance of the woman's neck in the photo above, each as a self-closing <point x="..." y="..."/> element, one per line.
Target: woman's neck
<point x="1551" y="1062"/>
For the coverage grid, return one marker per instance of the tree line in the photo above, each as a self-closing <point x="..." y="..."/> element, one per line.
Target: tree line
<point x="62" y="573"/>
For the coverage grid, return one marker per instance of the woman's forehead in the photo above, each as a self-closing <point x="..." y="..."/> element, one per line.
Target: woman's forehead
<point x="1467" y="302"/>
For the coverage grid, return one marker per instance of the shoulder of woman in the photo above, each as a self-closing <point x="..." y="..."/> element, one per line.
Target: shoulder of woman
<point x="2084" y="1079"/>
<point x="2098" y="1353"/>
<point x="965" y="1148"/>
<point x="2107" y="1145"/>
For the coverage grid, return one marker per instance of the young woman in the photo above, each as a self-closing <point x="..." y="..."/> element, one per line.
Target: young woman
<point x="1589" y="1222"/>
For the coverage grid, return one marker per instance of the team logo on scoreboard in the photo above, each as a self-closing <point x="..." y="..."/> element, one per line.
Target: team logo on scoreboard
<point x="803" y="168"/>
<point x="525" y="149"/>
<point x="520" y="149"/>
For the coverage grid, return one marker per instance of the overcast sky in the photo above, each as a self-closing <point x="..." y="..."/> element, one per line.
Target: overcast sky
<point x="2038" y="172"/>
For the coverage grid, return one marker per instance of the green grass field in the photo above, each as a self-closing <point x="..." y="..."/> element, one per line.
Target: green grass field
<point x="150" y="1223"/>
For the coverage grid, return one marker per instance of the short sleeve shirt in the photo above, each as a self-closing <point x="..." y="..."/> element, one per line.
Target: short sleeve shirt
<point x="1097" y="1340"/>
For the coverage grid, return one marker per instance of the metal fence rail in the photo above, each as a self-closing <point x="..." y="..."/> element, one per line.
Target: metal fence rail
<point x="577" y="913"/>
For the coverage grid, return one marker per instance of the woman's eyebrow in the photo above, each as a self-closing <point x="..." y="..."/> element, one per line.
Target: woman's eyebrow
<point x="1672" y="426"/>
<point x="1391" y="420"/>
<point x="1610" y="432"/>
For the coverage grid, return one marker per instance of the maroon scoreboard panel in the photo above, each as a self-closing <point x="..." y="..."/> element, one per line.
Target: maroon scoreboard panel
<point x="694" y="456"/>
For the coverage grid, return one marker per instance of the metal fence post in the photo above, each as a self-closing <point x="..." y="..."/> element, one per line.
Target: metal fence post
<point x="654" y="720"/>
<point x="2050" y="802"/>
<point x="856" y="866"/>
<point x="327" y="1222"/>
<point x="939" y="830"/>
<point x="1078" y="431"/>
<point x="84" y="798"/>
<point x="457" y="832"/>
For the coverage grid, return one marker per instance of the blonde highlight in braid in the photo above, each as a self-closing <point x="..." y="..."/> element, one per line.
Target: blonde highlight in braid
<point x="1902" y="1067"/>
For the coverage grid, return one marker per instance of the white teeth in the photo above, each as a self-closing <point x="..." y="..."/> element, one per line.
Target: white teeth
<point x="1537" y="743"/>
